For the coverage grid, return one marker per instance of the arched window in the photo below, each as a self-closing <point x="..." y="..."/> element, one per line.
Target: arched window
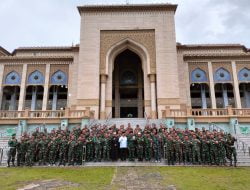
<point x="128" y="78"/>
<point x="36" y="77"/>
<point x="198" y="75"/>
<point x="244" y="75"/>
<point x="59" y="77"/>
<point x="222" y="75"/>
<point x="13" y="78"/>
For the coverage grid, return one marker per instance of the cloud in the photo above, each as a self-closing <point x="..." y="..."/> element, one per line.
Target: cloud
<point x="57" y="22"/>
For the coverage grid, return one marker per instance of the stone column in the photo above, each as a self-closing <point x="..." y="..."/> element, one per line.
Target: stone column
<point x="1" y="84"/>
<point x="34" y="97"/>
<point x="211" y="85"/>
<point x="203" y="97"/>
<point x="54" y="101"/>
<point x="117" y="94"/>
<point x="103" y="97"/>
<point x="152" y="78"/>
<point x="224" y="94"/>
<point x="246" y="96"/>
<point x="139" y="95"/>
<point x="22" y="88"/>
<point x="13" y="100"/>
<point x="46" y="87"/>
<point x="236" y="86"/>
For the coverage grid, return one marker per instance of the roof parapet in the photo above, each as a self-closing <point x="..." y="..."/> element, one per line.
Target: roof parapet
<point x="127" y="7"/>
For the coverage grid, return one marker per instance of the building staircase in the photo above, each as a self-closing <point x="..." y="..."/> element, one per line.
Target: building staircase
<point x="3" y="149"/>
<point x="243" y="150"/>
<point x="242" y="145"/>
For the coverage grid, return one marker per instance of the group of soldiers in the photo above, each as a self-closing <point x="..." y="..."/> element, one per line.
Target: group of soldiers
<point x="101" y="143"/>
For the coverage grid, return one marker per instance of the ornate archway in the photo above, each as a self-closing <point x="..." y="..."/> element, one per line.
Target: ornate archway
<point x="148" y="77"/>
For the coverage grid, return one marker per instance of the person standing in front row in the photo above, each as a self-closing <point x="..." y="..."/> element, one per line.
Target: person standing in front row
<point x="123" y="146"/>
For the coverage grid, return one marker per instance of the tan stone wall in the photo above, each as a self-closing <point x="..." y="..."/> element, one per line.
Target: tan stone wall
<point x="242" y="64"/>
<point x="31" y="68"/>
<point x="183" y="71"/>
<point x="13" y="67"/>
<point x="143" y="37"/>
<point x="89" y="56"/>
<point x="226" y="65"/>
<point x="54" y="68"/>
<point x="72" y="81"/>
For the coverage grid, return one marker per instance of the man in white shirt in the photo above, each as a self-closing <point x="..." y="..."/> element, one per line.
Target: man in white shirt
<point x="123" y="146"/>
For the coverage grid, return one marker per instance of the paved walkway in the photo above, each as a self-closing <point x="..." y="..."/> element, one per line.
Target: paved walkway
<point x="136" y="178"/>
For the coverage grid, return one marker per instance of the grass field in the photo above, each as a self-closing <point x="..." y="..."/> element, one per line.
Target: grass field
<point x="98" y="178"/>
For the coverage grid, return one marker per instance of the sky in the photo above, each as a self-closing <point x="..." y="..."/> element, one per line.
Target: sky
<point x="57" y="22"/>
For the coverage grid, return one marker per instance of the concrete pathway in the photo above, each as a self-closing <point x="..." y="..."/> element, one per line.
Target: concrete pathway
<point x="136" y="178"/>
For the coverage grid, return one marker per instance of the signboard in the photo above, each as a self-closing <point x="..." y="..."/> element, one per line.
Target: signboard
<point x="10" y="132"/>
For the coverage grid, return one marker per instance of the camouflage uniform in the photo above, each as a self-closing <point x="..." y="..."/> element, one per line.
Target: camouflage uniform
<point x="98" y="151"/>
<point x="53" y="146"/>
<point x="222" y="152"/>
<point x="148" y="147"/>
<point x="42" y="146"/>
<point x="140" y="145"/>
<point x="186" y="151"/>
<point x="106" y="148"/>
<point x="79" y="151"/>
<point x="232" y="150"/>
<point x="71" y="152"/>
<point x="178" y="150"/>
<point x="205" y="151"/>
<point x="63" y="150"/>
<point x="156" y="147"/>
<point x="12" y="151"/>
<point x="213" y="152"/>
<point x="31" y="149"/>
<point x="170" y="151"/>
<point x="131" y="147"/>
<point x="196" y="151"/>
<point x="90" y="148"/>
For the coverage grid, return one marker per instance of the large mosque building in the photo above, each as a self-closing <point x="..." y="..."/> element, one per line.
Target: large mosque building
<point x="127" y="65"/>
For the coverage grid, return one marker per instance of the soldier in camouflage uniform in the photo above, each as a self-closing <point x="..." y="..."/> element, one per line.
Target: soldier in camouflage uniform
<point x="131" y="146"/>
<point x="97" y="145"/>
<point x="231" y="150"/>
<point x="178" y="149"/>
<point x="213" y="150"/>
<point x="169" y="144"/>
<point x="90" y="148"/>
<point x="63" y="150"/>
<point x="31" y="149"/>
<point x="186" y="150"/>
<point x="148" y="147"/>
<point x="106" y="147"/>
<point x="140" y="145"/>
<point x="12" y="143"/>
<point x="21" y="151"/>
<point x="156" y="147"/>
<point x="42" y="146"/>
<point x="196" y="150"/>
<point x="53" y="146"/>
<point x="205" y="150"/>
<point x="71" y="152"/>
<point x="79" y="150"/>
<point x="221" y="151"/>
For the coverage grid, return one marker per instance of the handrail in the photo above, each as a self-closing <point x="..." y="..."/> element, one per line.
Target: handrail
<point x="108" y="118"/>
<point x="146" y="118"/>
<point x="214" y="126"/>
<point x="244" y="145"/>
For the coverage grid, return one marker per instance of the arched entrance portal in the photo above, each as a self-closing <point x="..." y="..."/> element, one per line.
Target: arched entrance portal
<point x="127" y="91"/>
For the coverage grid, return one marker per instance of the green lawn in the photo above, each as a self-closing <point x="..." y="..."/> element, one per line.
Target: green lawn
<point x="89" y="178"/>
<point x="198" y="178"/>
<point x="99" y="178"/>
